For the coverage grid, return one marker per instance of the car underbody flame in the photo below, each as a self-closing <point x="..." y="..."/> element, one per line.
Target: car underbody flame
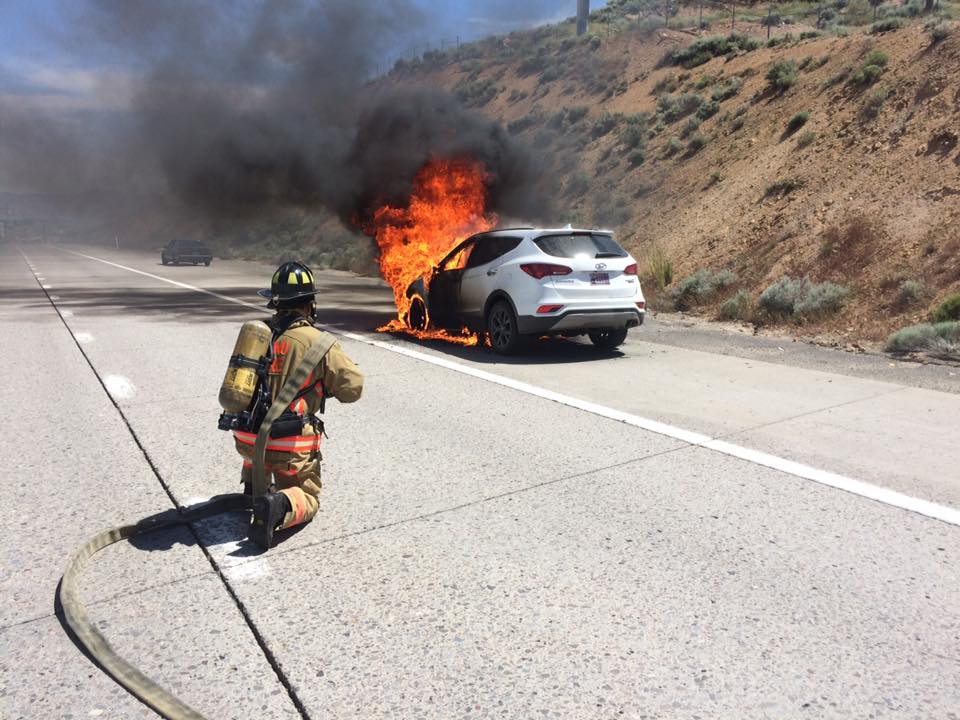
<point x="447" y="204"/>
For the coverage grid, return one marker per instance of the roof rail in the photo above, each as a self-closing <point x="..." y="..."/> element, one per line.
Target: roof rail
<point x="520" y="227"/>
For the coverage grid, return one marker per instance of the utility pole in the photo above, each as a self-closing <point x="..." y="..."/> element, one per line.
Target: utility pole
<point x="769" y="19"/>
<point x="583" y="16"/>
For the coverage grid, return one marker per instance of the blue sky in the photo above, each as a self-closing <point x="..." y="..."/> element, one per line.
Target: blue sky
<point x="28" y="28"/>
<point x="44" y="67"/>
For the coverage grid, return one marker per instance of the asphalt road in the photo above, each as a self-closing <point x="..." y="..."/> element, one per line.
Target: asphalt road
<point x="662" y="532"/>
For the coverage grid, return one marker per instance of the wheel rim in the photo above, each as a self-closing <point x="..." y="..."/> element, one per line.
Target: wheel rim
<point x="501" y="328"/>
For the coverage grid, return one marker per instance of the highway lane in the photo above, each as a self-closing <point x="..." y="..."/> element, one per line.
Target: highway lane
<point x="486" y="552"/>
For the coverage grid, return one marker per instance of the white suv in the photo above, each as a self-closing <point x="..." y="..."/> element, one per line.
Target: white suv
<point x="521" y="282"/>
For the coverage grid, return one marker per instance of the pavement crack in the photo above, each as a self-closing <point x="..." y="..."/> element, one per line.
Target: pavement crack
<point x="808" y="413"/>
<point x="479" y="501"/>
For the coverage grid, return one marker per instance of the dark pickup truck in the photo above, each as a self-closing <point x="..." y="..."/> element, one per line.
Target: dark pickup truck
<point x="185" y="251"/>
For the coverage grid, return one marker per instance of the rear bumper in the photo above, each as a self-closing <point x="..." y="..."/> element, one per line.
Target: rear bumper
<point x="580" y="320"/>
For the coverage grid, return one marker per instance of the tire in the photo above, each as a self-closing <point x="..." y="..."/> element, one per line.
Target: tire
<point x="417" y="314"/>
<point x="163" y="260"/>
<point x="502" y="329"/>
<point x="608" y="338"/>
<point x="175" y="261"/>
<point x="207" y="263"/>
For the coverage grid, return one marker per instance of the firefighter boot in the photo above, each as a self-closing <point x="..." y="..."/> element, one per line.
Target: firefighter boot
<point x="268" y="513"/>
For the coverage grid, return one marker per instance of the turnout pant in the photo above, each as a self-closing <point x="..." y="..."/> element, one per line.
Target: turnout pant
<point x="295" y="472"/>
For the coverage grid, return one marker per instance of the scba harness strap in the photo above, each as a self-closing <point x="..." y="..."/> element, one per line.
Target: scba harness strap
<point x="293" y="385"/>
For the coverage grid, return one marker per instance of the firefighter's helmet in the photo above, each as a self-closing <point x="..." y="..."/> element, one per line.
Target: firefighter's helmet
<point x="291" y="282"/>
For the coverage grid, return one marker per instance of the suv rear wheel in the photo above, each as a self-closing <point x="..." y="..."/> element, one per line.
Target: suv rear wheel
<point x="608" y="338"/>
<point x="502" y="328"/>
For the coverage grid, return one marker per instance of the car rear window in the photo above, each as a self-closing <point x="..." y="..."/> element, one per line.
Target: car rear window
<point x="489" y="249"/>
<point x="590" y="244"/>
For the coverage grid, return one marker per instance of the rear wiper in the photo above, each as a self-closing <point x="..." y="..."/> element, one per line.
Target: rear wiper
<point x="607" y="255"/>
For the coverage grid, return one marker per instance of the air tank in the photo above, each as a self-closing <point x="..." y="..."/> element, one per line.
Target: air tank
<point x="240" y="382"/>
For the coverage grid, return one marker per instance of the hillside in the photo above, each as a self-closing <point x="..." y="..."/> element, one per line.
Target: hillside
<point x="831" y="156"/>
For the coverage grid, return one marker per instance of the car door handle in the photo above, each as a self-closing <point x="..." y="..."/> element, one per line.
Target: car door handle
<point x="491" y="272"/>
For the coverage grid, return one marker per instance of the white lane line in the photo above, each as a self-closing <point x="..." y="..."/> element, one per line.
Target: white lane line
<point x="47" y="287"/>
<point x="823" y="477"/>
<point x="66" y="313"/>
<point x="83" y="338"/>
<point x="119" y="387"/>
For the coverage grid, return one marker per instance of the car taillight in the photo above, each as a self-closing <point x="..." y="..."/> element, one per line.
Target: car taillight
<point x="630" y="269"/>
<point x="542" y="270"/>
<point x="642" y="305"/>
<point x="548" y="309"/>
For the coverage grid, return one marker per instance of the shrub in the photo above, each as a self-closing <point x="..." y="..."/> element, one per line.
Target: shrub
<point x="939" y="31"/>
<point x="801" y="298"/>
<point x="949" y="309"/>
<point x="705" y="49"/>
<point x="698" y="288"/>
<point x="673" y="146"/>
<point x="689" y="103"/>
<point x="665" y="84"/>
<point x="715" y="177"/>
<point x="942" y="339"/>
<point x="727" y="90"/>
<point x="476" y="92"/>
<point x="579" y="183"/>
<point x="909" y="292"/>
<point x="522" y="123"/>
<point x="736" y="307"/>
<point x="810" y="34"/>
<point x="531" y="65"/>
<point x="690" y="127"/>
<point x="797" y="122"/>
<point x="704" y="81"/>
<point x="867" y="75"/>
<point x="633" y="136"/>
<point x="697" y="143"/>
<point x="806" y="139"/>
<point x="736" y="124"/>
<point x="873" y="67"/>
<point x="637" y="158"/>
<point x="604" y="124"/>
<point x="672" y="108"/>
<point x="783" y="187"/>
<point x="659" y="267"/>
<point x="781" y="76"/>
<point x="576" y="114"/>
<point x="708" y="109"/>
<point x="877" y="57"/>
<point x="882" y="26"/>
<point x="838" y="78"/>
<point x="871" y="108"/>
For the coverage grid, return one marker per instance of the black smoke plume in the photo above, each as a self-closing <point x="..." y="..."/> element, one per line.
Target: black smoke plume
<point x="239" y="109"/>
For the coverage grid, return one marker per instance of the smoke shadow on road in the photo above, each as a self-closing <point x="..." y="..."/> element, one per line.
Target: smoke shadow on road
<point x="179" y="305"/>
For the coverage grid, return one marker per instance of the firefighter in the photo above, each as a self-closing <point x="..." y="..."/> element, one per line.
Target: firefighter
<point x="293" y="450"/>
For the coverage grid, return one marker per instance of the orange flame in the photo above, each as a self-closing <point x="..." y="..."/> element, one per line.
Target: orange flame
<point x="447" y="205"/>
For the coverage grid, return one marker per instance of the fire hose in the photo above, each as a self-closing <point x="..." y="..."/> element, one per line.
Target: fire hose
<point x="91" y="639"/>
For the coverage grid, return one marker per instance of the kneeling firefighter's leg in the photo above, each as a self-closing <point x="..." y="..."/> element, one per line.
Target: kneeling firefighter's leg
<point x="269" y="510"/>
<point x="301" y="484"/>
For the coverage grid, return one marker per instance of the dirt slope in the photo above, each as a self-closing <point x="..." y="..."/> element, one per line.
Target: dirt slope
<point x="869" y="193"/>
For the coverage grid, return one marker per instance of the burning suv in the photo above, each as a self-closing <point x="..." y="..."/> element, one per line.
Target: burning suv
<point x="521" y="282"/>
